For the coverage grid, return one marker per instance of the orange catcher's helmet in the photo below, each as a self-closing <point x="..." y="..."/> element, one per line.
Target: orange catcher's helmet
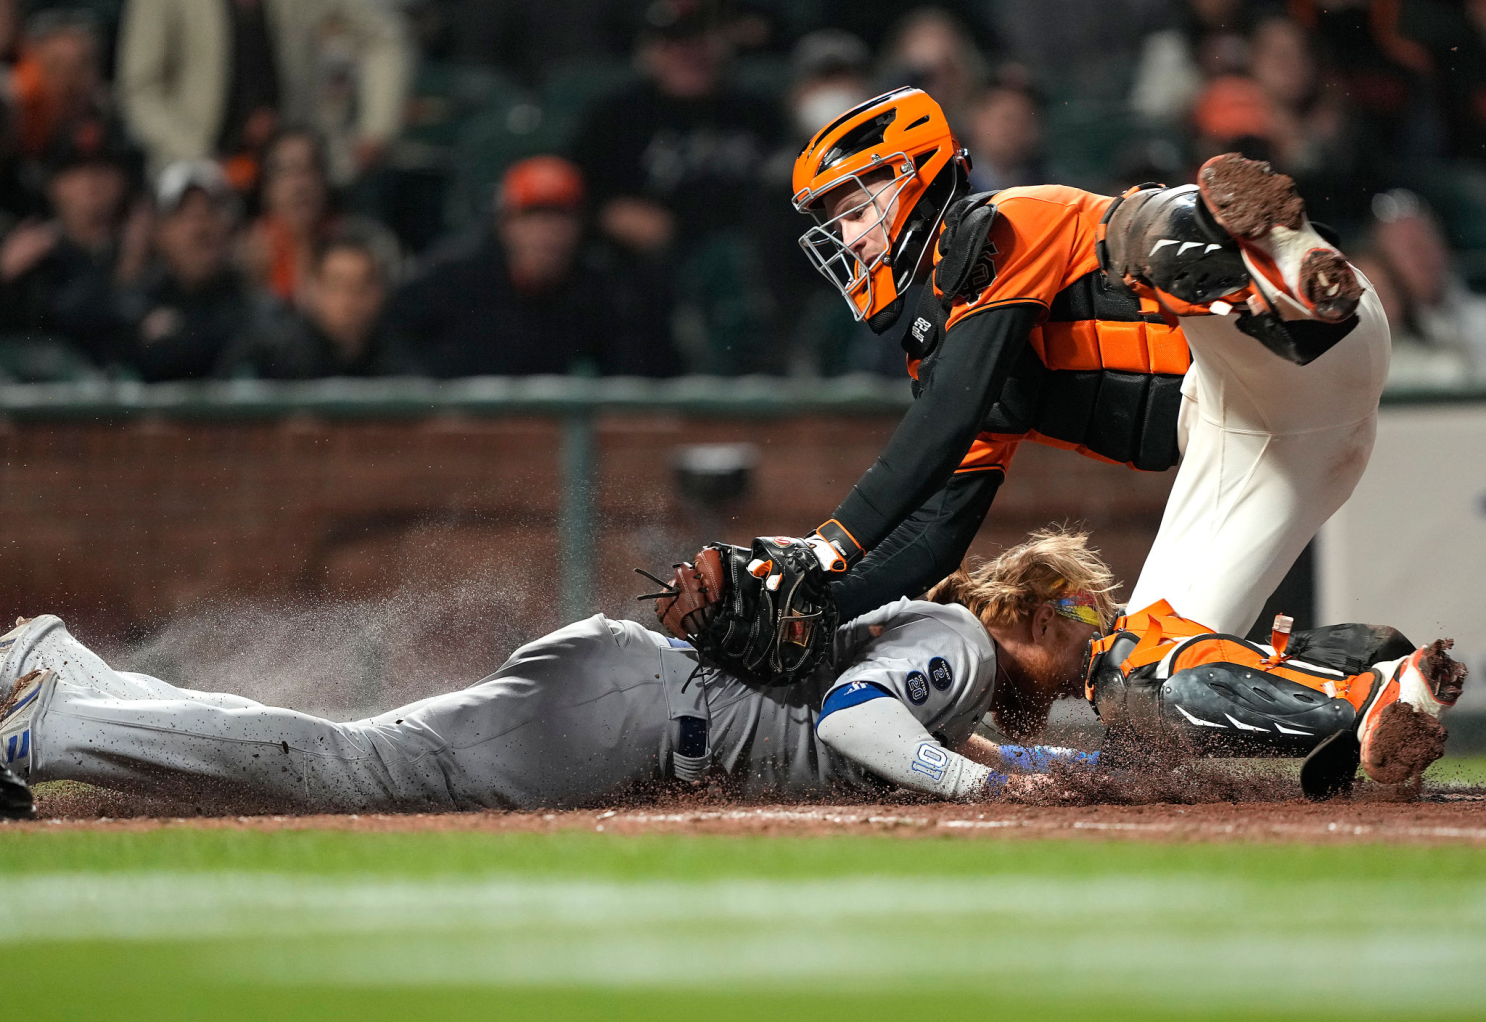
<point x="900" y="167"/>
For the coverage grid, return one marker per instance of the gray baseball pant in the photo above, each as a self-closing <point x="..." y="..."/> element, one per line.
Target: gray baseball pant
<point x="583" y="713"/>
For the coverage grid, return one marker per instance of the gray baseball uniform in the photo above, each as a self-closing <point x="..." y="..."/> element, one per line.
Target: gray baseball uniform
<point x="589" y="711"/>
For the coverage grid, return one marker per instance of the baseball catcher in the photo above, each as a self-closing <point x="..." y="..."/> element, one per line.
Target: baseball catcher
<point x="1210" y="324"/>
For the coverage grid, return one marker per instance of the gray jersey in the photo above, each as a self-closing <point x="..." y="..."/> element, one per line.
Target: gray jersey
<point x="936" y="659"/>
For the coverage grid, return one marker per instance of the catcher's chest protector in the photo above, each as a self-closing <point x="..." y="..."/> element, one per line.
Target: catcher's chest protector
<point x="1102" y="371"/>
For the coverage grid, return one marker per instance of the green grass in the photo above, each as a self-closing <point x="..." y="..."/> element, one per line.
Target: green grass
<point x="1462" y="770"/>
<point x="184" y="924"/>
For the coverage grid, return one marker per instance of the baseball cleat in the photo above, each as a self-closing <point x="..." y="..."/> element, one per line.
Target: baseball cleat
<point x="1398" y="728"/>
<point x="1330" y="768"/>
<point x="1298" y="273"/>
<point x="15" y="797"/>
<point x="16" y="711"/>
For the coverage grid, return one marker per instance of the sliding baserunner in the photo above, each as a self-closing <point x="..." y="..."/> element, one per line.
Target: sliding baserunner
<point x="597" y="710"/>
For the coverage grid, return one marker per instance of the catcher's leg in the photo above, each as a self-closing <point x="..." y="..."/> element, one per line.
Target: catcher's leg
<point x="1299" y="274"/>
<point x="1271" y="450"/>
<point x="1216" y="694"/>
<point x="1399" y="732"/>
<point x="1272" y="446"/>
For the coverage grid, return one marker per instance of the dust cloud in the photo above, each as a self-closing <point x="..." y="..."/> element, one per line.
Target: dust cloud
<point x="343" y="658"/>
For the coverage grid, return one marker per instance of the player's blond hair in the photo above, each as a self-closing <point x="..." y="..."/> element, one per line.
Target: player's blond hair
<point x="1052" y="563"/>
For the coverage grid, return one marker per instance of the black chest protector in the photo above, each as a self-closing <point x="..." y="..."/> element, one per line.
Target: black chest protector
<point x="1125" y="416"/>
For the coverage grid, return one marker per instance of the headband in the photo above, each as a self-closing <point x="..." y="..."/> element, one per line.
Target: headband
<point x="1078" y="607"/>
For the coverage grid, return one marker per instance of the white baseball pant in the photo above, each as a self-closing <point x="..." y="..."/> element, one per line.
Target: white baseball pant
<point x="1270" y="450"/>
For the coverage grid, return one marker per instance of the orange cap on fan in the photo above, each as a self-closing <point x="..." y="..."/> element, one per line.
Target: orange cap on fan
<point x="541" y="182"/>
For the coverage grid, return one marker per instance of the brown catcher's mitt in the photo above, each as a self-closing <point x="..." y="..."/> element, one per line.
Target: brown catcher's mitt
<point x="691" y="597"/>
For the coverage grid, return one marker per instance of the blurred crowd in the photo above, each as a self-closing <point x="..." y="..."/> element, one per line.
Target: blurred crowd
<point x="293" y="189"/>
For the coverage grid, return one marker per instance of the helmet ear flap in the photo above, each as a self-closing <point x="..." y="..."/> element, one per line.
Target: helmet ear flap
<point x="922" y="227"/>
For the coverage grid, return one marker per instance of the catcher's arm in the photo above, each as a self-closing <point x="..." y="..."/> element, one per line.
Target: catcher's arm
<point x="930" y="545"/>
<point x="959" y="386"/>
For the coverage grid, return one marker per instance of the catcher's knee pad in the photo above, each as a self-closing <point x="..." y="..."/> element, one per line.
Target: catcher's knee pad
<point x="1230" y="709"/>
<point x="1108" y="689"/>
<point x="1167" y="239"/>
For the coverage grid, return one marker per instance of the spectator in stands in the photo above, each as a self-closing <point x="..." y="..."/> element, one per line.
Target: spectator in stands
<point x="678" y="155"/>
<point x="1441" y="312"/>
<point x="1414" y="364"/>
<point x="526" y="38"/>
<point x="57" y="276"/>
<point x="1307" y="121"/>
<point x="1003" y="131"/>
<point x="829" y="77"/>
<point x="1207" y="39"/>
<point x="527" y="297"/>
<point x="812" y="329"/>
<point x="203" y="78"/>
<point x="56" y="83"/>
<point x="336" y="331"/>
<point x="1453" y="36"/>
<point x="1081" y="50"/>
<point x="1463" y="74"/>
<point x="297" y="215"/>
<point x="11" y="16"/>
<point x="1383" y="74"/>
<point x="192" y="304"/>
<point x="875" y="21"/>
<point x="59" y="78"/>
<point x="1283" y="111"/>
<point x="931" y="49"/>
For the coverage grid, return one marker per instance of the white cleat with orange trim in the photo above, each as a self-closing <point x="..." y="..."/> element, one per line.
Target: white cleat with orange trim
<point x="1299" y="273"/>
<point x="1398" y="726"/>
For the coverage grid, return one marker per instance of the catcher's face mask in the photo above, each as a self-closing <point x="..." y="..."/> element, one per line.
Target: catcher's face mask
<point x="850" y="241"/>
<point x="902" y="166"/>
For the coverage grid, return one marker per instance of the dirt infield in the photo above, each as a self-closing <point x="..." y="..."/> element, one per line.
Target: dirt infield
<point x="1453" y="816"/>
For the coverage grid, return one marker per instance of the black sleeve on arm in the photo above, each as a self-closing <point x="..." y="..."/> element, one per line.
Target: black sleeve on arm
<point x="924" y="549"/>
<point x="960" y="382"/>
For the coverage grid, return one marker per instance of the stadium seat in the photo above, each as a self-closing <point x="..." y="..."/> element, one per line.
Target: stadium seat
<point x="40" y="358"/>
